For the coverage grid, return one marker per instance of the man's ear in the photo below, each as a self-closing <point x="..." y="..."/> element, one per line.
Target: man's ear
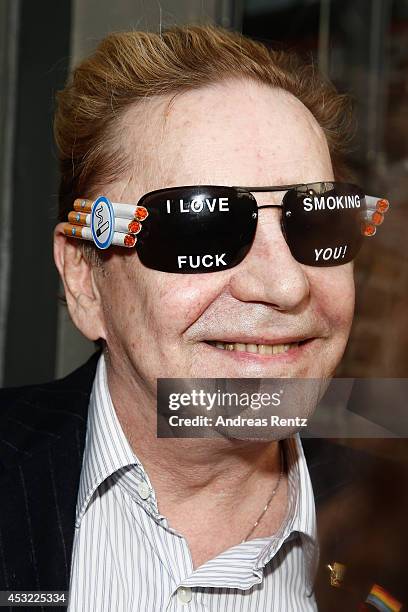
<point x="81" y="293"/>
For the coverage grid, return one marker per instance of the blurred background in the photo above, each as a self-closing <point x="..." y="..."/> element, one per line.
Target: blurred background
<point x="362" y="45"/>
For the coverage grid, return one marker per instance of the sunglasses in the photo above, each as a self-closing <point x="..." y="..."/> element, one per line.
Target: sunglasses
<point x="209" y="228"/>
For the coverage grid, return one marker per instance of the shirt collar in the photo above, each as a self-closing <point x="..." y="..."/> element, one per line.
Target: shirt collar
<point x="106" y="446"/>
<point x="301" y="515"/>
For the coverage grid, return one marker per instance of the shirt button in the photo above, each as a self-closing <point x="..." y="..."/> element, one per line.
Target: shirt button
<point x="184" y="594"/>
<point x="143" y="490"/>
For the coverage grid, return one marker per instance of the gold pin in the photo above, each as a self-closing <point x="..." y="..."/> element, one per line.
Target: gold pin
<point x="337" y="572"/>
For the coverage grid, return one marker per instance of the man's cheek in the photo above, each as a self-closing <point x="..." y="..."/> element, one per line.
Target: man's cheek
<point x="340" y="322"/>
<point x="334" y="293"/>
<point x="343" y="308"/>
<point x="341" y="317"/>
<point x="184" y="301"/>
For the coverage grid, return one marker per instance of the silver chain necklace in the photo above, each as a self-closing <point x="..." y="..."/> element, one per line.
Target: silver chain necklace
<point x="270" y="498"/>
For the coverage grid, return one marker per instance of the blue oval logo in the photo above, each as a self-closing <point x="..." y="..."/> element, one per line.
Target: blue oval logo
<point x="102" y="222"/>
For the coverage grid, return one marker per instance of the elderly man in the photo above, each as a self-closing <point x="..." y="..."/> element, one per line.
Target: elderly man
<point x="210" y="280"/>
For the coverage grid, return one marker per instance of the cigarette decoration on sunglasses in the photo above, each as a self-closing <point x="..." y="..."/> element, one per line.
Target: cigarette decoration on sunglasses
<point x="376" y="209"/>
<point x="105" y="222"/>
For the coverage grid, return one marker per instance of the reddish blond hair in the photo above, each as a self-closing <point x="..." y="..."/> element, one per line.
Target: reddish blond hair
<point x="129" y="67"/>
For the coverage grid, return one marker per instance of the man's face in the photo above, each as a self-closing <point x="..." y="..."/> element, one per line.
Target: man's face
<point x="160" y="324"/>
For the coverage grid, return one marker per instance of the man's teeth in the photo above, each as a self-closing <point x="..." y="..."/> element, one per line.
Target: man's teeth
<point x="261" y="349"/>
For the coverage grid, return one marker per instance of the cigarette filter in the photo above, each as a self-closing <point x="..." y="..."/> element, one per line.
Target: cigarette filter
<point x="84" y="232"/>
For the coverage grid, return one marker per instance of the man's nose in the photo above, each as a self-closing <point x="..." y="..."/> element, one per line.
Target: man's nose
<point x="269" y="273"/>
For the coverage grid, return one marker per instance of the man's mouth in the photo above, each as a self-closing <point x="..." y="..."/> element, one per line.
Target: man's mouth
<point x="260" y="349"/>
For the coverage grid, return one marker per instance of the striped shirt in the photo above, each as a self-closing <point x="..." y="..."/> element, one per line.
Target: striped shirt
<point x="127" y="558"/>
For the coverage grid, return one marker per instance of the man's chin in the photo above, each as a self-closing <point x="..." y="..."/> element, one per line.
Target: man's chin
<point x="259" y="409"/>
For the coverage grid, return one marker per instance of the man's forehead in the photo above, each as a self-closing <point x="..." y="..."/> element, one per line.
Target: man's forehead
<point x="229" y="135"/>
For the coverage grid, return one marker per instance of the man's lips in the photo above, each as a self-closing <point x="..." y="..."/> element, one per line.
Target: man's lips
<point x="258" y="339"/>
<point x="265" y="348"/>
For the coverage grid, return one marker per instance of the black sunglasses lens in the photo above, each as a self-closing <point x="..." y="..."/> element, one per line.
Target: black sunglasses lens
<point x="196" y="229"/>
<point x="322" y="223"/>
